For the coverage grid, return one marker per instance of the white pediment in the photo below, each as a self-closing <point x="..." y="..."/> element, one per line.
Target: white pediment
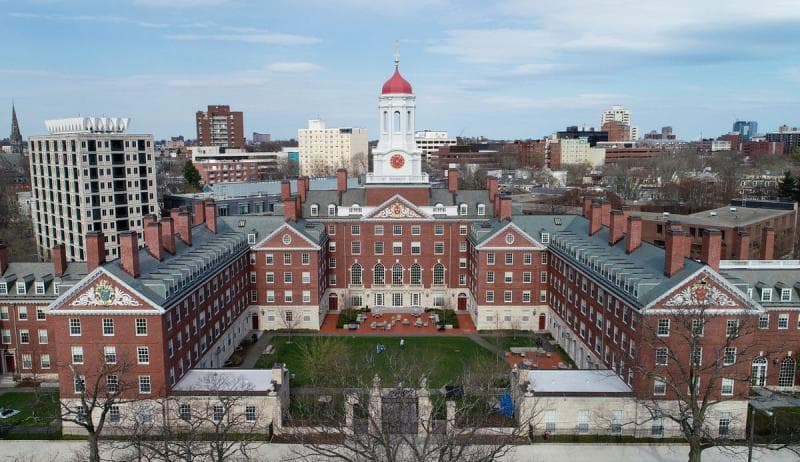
<point x="397" y="208"/>
<point x="104" y="294"/>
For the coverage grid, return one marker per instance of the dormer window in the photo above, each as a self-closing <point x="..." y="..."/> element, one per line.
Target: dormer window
<point x="40" y="288"/>
<point x="766" y="294"/>
<point x="21" y="289"/>
<point x="3" y="288"/>
<point x="251" y="238"/>
<point x="786" y="295"/>
<point x="463" y="209"/>
<point x="355" y="209"/>
<point x="331" y="210"/>
<point x="481" y="209"/>
<point x="439" y="209"/>
<point x="315" y="210"/>
<point x="545" y="238"/>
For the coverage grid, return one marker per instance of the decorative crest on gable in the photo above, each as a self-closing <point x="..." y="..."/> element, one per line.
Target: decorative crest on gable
<point x="104" y="294"/>
<point x="397" y="210"/>
<point x="701" y="294"/>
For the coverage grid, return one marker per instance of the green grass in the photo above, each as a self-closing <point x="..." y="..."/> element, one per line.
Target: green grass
<point x="442" y="359"/>
<point x="782" y="427"/>
<point x="505" y="342"/>
<point x="31" y="414"/>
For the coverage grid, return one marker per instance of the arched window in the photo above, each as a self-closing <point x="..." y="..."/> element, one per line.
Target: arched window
<point x="408" y="121"/>
<point x="385" y="126"/>
<point x="314" y="210"/>
<point x="481" y="209"/>
<point x="355" y="209"/>
<point x="397" y="274"/>
<point x="758" y="377"/>
<point x="463" y="209"/>
<point x="379" y="275"/>
<point x="416" y="274"/>
<point x="786" y="375"/>
<point x="439" y="208"/>
<point x="331" y="210"/>
<point x="355" y="274"/>
<point x="438" y="274"/>
<point x="397" y="121"/>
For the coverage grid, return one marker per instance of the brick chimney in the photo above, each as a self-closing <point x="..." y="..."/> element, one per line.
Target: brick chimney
<point x="211" y="215"/>
<point x="3" y="258"/>
<point x="183" y="227"/>
<point x="634" y="233"/>
<point x="290" y="209"/>
<point x="505" y="208"/>
<point x="129" y="252"/>
<point x="587" y="206"/>
<point x="452" y="180"/>
<point x="674" y="249"/>
<point x="712" y="248"/>
<point x="153" y="240"/>
<point x="168" y="234"/>
<point x="303" y="184"/>
<point x="95" y="250"/>
<point x="286" y="190"/>
<point x="616" y="230"/>
<point x="626" y="212"/>
<point x="173" y="213"/>
<point x="59" y="254"/>
<point x="741" y="244"/>
<point x="595" y="218"/>
<point x="199" y="213"/>
<point x="605" y="217"/>
<point x="768" y="243"/>
<point x="491" y="186"/>
<point x="147" y="219"/>
<point x="341" y="180"/>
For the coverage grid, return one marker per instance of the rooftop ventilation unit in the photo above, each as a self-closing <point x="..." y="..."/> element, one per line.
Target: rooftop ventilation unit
<point x="712" y="214"/>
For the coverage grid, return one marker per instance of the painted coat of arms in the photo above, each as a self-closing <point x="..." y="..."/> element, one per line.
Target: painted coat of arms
<point x="104" y="294"/>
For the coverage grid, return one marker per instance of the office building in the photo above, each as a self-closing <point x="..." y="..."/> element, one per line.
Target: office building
<point x="323" y="150"/>
<point x="219" y="126"/>
<point x="429" y="141"/>
<point x="746" y="129"/>
<point x="566" y="151"/>
<point x="623" y="116"/>
<point x="790" y="137"/>
<point x="230" y="165"/>
<point x="90" y="174"/>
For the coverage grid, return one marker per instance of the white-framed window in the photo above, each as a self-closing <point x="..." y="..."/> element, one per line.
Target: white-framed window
<point x="44" y="361"/>
<point x="659" y="387"/>
<point x="507" y="296"/>
<point x="698" y="327"/>
<point x="218" y="412"/>
<point x="306" y="296"/>
<point x="526" y="296"/>
<point x="141" y="327"/>
<point x="509" y="258"/>
<point x="77" y="355"/>
<point x="79" y="383"/>
<point x="108" y="326"/>
<point x="287" y="277"/>
<point x="481" y="209"/>
<point x="550" y="417"/>
<point x="269" y="259"/>
<point x="143" y="355"/>
<point x="24" y="336"/>
<point x="22" y="313"/>
<point x="314" y="209"/>
<point x="438" y="230"/>
<point x="725" y="424"/>
<point x="250" y="413"/>
<point x="416" y="248"/>
<point x="43" y="337"/>
<point x="416" y="230"/>
<point x="462" y="230"/>
<point x="378" y="230"/>
<point x="397" y="230"/>
<point x="287" y="297"/>
<point x="145" y="384"/>
<point x="766" y="294"/>
<point x="727" y="386"/>
<point x="783" y="321"/>
<point x="732" y="328"/>
<point x="490" y="258"/>
<point x="355" y="247"/>
<point x="112" y="383"/>
<point x="331" y="212"/>
<point x="729" y="357"/>
<point x="662" y="356"/>
<point x="287" y="258"/>
<point x="110" y="354"/>
<point x="355" y="230"/>
<point x="378" y="247"/>
<point x="786" y="295"/>
<point x="508" y="277"/>
<point x="438" y="274"/>
<point x="583" y="421"/>
<point x="27" y="361"/>
<point x="616" y="421"/>
<point x="663" y="328"/>
<point x="763" y="321"/>
<point x="489" y="296"/>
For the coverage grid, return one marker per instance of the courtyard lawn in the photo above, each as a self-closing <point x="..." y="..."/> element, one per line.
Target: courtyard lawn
<point x="443" y="358"/>
<point x="507" y="339"/>
<point x="31" y="414"/>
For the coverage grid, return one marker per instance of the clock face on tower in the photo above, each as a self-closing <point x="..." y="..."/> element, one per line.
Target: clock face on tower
<point x="397" y="161"/>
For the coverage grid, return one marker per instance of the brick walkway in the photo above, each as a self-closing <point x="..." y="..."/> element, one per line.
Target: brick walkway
<point x="466" y="326"/>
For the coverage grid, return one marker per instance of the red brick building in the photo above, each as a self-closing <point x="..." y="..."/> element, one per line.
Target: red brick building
<point x="219" y="126"/>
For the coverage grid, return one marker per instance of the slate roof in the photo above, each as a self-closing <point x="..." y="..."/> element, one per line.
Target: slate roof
<point x="722" y="217"/>
<point x="638" y="277"/>
<point x="40" y="272"/>
<point x="245" y="189"/>
<point x="757" y="275"/>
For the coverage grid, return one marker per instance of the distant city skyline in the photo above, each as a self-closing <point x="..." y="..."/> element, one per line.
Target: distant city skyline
<point x="509" y="69"/>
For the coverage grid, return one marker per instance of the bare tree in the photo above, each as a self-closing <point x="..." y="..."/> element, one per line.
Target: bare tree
<point x="399" y="417"/>
<point x="103" y="384"/>
<point x="359" y="163"/>
<point x="696" y="371"/>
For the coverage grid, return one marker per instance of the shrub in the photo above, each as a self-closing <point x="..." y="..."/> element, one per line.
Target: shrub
<point x="347" y="316"/>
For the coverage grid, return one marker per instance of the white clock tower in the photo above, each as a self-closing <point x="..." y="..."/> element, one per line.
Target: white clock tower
<point x="397" y="159"/>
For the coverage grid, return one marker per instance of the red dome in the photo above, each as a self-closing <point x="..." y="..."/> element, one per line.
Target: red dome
<point x="396" y="84"/>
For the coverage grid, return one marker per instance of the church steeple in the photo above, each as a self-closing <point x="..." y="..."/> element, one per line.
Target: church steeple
<point x="16" y="136"/>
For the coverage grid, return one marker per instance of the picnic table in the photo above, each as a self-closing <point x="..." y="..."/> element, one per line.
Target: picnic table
<point x="522" y="350"/>
<point x="380" y="325"/>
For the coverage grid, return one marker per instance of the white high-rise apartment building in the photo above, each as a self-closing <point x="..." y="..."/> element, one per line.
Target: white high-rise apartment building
<point x="429" y="141"/>
<point x="621" y="115"/>
<point x="579" y="151"/>
<point x="89" y="174"/>
<point x="323" y="150"/>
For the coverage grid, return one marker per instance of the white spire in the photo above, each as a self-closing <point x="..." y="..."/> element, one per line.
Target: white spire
<point x="396" y="53"/>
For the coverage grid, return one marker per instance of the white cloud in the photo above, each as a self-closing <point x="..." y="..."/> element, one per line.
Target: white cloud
<point x="293" y="68"/>
<point x="587" y="100"/>
<point x="264" y="38"/>
<point x="96" y="19"/>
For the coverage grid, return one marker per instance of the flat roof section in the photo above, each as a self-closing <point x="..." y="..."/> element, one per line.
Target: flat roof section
<point x="581" y="382"/>
<point x="225" y="380"/>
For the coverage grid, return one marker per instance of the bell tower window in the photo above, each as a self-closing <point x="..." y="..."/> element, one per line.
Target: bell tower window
<point x="385" y="127"/>
<point x="397" y="121"/>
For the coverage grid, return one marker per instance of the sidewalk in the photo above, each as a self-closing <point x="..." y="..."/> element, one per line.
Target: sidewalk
<point x="256" y="350"/>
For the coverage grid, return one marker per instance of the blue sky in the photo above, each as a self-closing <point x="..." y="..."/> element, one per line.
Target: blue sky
<point x="502" y="69"/>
